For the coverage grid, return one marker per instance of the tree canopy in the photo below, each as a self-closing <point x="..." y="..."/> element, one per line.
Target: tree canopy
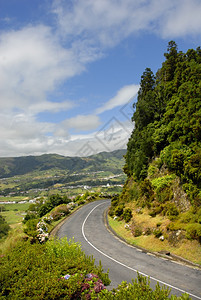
<point x="167" y="119"/>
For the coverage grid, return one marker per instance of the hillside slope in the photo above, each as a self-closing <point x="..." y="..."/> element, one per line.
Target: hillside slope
<point x="104" y="161"/>
<point x="163" y="160"/>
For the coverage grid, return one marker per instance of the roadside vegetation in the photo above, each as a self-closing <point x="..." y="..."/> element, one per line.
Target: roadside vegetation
<point x="163" y="159"/>
<point x="55" y="270"/>
<point x="58" y="269"/>
<point x="4" y="227"/>
<point x="43" y="216"/>
<point x="49" y="268"/>
<point x="36" y="220"/>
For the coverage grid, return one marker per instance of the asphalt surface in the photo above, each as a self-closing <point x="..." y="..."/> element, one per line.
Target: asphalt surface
<point x="87" y="227"/>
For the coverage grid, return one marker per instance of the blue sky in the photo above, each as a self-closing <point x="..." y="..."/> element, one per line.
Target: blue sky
<point x="70" y="70"/>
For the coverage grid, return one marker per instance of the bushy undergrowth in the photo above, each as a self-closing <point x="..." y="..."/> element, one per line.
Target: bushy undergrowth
<point x="59" y="269"/>
<point x="37" y="271"/>
<point x="140" y="289"/>
<point x="119" y="210"/>
<point x="42" y="215"/>
<point x="160" y="195"/>
<point x="4" y="227"/>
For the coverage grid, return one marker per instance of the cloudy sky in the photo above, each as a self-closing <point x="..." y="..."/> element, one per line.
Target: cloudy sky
<point x="70" y="69"/>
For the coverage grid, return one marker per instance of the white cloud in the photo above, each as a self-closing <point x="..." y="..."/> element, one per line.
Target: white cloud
<point x="117" y="137"/>
<point x="182" y="20"/>
<point x="32" y="63"/>
<point x="33" y="146"/>
<point x="105" y="23"/>
<point x="53" y="107"/>
<point x="121" y="98"/>
<point x="22" y="126"/>
<point x="21" y="134"/>
<point x="79" y="123"/>
<point x="79" y="145"/>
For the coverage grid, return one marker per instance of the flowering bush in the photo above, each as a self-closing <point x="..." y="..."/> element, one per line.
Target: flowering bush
<point x="90" y="286"/>
<point x="39" y="271"/>
<point x="59" y="269"/>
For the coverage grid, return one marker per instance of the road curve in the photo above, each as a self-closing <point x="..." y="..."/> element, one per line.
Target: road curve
<point x="124" y="261"/>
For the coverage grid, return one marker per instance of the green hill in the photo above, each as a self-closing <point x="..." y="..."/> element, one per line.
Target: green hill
<point x="33" y="176"/>
<point x="104" y="161"/>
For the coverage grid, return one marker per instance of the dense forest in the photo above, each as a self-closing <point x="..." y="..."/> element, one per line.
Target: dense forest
<point x="163" y="160"/>
<point x="168" y="117"/>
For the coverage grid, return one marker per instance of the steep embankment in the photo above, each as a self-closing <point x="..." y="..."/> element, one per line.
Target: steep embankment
<point x="163" y="160"/>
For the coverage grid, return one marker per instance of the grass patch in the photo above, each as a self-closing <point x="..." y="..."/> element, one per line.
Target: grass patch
<point x="14" y="235"/>
<point x="15" y="206"/>
<point x="118" y="227"/>
<point x="11" y="199"/>
<point x="14" y="212"/>
<point x="13" y="217"/>
<point x="187" y="249"/>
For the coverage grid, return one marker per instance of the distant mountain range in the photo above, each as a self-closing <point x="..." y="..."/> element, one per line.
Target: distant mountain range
<point x="104" y="161"/>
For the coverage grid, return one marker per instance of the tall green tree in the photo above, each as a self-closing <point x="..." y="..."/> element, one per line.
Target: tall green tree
<point x="168" y="116"/>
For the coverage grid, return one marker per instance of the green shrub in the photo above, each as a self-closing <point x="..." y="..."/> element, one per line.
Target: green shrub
<point x="134" y="193"/>
<point x="148" y="231"/>
<point x="86" y="194"/>
<point x="146" y="188"/>
<point x="59" y="212"/>
<point x="162" y="182"/>
<point x="146" y="193"/>
<point x="191" y="190"/>
<point x="177" y="161"/>
<point x="152" y="170"/>
<point x="80" y="202"/>
<point x="188" y="217"/>
<point x="199" y="216"/>
<point x="158" y="232"/>
<point x="173" y="226"/>
<point x="29" y="216"/>
<point x="165" y="155"/>
<point x="157" y="209"/>
<point x="152" y="213"/>
<point x="164" y="195"/>
<point x="193" y="231"/>
<point x="115" y="200"/>
<point x="139" y="289"/>
<point x="137" y="231"/>
<point x="4" y="227"/>
<point x="114" y="204"/>
<point x="170" y="209"/>
<point x="111" y="211"/>
<point x="119" y="210"/>
<point x="193" y="167"/>
<point x="36" y="271"/>
<point x="127" y="215"/>
<point x="53" y="201"/>
<point x="30" y="227"/>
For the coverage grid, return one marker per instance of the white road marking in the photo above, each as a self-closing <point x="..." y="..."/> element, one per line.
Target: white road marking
<point x="118" y="262"/>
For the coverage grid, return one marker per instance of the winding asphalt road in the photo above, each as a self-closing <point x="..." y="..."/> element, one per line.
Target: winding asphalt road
<point x="123" y="261"/>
